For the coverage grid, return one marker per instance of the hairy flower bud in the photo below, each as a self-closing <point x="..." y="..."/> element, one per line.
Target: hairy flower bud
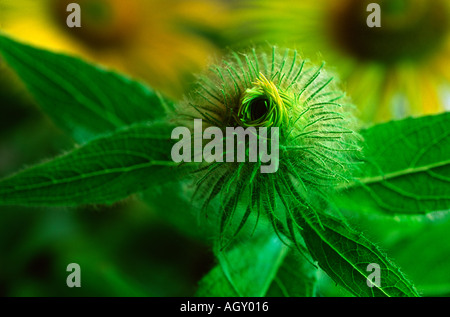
<point x="317" y="142"/>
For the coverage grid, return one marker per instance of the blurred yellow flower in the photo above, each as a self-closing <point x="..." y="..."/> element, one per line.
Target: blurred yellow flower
<point x="396" y="70"/>
<point x="159" y="41"/>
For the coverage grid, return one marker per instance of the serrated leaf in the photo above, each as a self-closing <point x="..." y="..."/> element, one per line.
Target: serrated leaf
<point x="344" y="254"/>
<point x="102" y="171"/>
<point x="412" y="242"/>
<point x="83" y="99"/>
<point x="407" y="169"/>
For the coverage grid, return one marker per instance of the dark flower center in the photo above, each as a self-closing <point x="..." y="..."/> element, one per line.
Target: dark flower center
<point x="258" y="108"/>
<point x="103" y="23"/>
<point x="262" y="105"/>
<point x="410" y="29"/>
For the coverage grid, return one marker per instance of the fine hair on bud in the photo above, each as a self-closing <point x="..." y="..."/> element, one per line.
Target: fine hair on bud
<point x="318" y="146"/>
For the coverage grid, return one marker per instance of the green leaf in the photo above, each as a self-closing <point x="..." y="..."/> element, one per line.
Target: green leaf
<point x="426" y="259"/>
<point x="83" y="99"/>
<point x="295" y="278"/>
<point x="247" y="270"/>
<point x="258" y="267"/>
<point x="344" y="254"/>
<point x="102" y="171"/>
<point x="181" y="213"/>
<point x="407" y="169"/>
<point x="417" y="244"/>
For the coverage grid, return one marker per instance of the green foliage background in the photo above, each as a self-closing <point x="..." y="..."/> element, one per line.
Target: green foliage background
<point x="127" y="249"/>
<point x="151" y="243"/>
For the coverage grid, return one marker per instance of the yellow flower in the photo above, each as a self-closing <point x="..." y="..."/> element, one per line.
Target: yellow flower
<point x="393" y="71"/>
<point x="159" y="41"/>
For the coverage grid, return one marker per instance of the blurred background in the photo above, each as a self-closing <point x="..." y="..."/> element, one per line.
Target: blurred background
<point x="152" y="247"/>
